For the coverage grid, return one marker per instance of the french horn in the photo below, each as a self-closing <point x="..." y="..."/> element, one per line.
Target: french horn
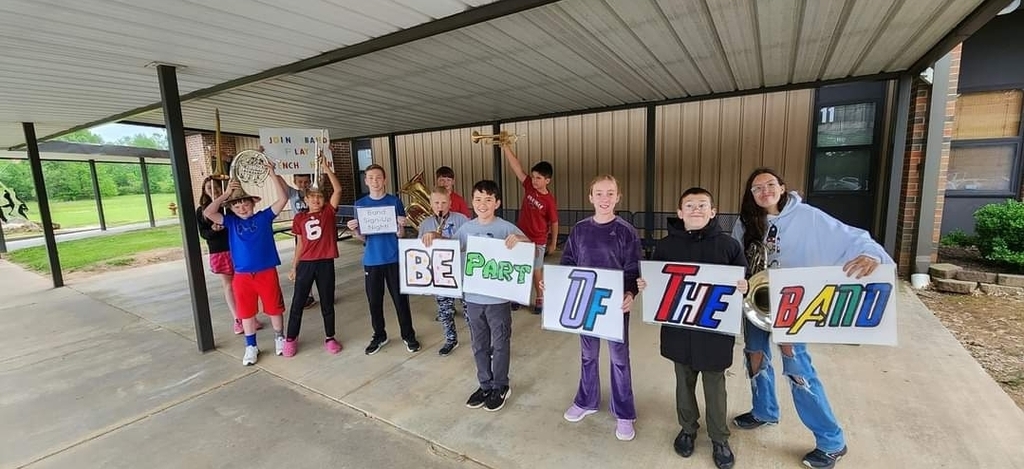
<point x="757" y="303"/>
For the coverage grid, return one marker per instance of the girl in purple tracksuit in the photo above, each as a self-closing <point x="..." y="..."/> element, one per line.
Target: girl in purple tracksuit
<point x="608" y="242"/>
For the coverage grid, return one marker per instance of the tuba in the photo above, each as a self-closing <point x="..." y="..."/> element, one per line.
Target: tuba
<point x="757" y="304"/>
<point x="418" y="208"/>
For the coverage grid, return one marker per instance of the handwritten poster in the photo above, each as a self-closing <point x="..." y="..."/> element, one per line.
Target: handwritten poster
<point x="583" y="300"/>
<point x="295" y="150"/>
<point x="436" y="270"/>
<point x="695" y="296"/>
<point x="494" y="270"/>
<point x="376" y="220"/>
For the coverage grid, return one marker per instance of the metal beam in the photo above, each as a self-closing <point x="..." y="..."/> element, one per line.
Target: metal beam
<point x="971" y="24"/>
<point x="499" y="177"/>
<point x="393" y="150"/>
<point x="44" y="203"/>
<point x="899" y="153"/>
<point x="149" y="196"/>
<point x="96" y="194"/>
<point x="649" y="172"/>
<point x="923" y="246"/>
<point x="187" y="218"/>
<point x="3" y="241"/>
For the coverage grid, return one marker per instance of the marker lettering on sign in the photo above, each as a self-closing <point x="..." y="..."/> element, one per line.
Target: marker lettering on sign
<point x="691" y="303"/>
<point x="842" y="305"/>
<point x="425" y="269"/>
<point x="585" y="302"/>
<point x="491" y="269"/>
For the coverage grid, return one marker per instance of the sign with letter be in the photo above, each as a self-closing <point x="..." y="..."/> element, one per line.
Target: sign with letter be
<point x="377" y="220"/>
<point x="436" y="270"/>
<point x="584" y="301"/>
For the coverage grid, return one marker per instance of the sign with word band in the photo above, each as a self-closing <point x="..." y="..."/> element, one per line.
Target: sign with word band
<point x="494" y="270"/>
<point x="824" y="305"/>
<point x="294" y="150"/>
<point x="377" y="220"/>
<point x="436" y="270"/>
<point x="585" y="301"/>
<point x="695" y="296"/>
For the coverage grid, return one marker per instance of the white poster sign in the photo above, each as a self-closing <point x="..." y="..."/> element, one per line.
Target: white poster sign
<point x="824" y="305"/>
<point x="583" y="300"/>
<point x="494" y="270"/>
<point x="436" y="270"/>
<point x="294" y="150"/>
<point x="376" y="220"/>
<point x="695" y="296"/>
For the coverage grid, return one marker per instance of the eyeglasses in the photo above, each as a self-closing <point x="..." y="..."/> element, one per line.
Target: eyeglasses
<point x="771" y="186"/>
<point x="701" y="207"/>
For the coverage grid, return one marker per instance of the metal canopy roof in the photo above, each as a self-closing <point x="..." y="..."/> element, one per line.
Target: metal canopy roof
<point x="65" y="66"/>
<point x="56" y="150"/>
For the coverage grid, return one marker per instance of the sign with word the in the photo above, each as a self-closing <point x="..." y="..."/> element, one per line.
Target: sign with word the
<point x="583" y="300"/>
<point x="695" y="296"/>
<point x="494" y="270"/>
<point x="824" y="305"/>
<point x="377" y="220"/>
<point x="295" y="150"/>
<point x="436" y="270"/>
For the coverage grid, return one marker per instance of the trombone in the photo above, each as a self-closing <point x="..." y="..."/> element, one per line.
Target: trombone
<point x="502" y="138"/>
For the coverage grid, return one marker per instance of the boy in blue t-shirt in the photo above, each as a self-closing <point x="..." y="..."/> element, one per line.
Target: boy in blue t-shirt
<point x="380" y="264"/>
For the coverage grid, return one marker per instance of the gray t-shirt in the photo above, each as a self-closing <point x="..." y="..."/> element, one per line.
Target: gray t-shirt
<point x="497" y="229"/>
<point x="296" y="200"/>
<point x="451" y="225"/>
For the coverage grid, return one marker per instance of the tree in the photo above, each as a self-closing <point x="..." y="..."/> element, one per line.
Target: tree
<point x="17" y="176"/>
<point x="153" y="140"/>
<point x="81" y="136"/>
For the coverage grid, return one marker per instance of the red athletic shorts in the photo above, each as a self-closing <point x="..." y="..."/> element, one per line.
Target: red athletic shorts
<point x="220" y="263"/>
<point x="264" y="286"/>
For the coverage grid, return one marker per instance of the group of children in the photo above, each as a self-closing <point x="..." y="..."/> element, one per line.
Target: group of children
<point x="603" y="240"/>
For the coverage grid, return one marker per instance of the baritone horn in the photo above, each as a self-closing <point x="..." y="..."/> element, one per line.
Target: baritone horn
<point x="502" y="138"/>
<point x="757" y="303"/>
<point x="419" y="206"/>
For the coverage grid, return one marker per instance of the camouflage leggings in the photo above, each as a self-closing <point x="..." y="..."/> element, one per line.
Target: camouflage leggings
<point x="446" y="314"/>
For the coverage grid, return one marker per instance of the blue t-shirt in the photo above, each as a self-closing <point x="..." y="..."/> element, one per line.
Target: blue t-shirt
<point x="251" y="241"/>
<point x="381" y="248"/>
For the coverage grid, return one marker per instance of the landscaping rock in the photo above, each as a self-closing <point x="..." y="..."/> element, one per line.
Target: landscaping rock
<point x="1011" y="280"/>
<point x="943" y="270"/>
<point x="1001" y="290"/>
<point x="976" y="276"/>
<point x="954" y="286"/>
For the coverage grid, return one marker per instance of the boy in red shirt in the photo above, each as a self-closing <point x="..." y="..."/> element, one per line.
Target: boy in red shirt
<point x="316" y="248"/>
<point x="538" y="215"/>
<point x="446" y="179"/>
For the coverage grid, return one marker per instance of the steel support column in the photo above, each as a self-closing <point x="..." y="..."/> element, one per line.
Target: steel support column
<point x="44" y="203"/>
<point x="145" y="190"/>
<point x="923" y="245"/>
<point x="396" y="185"/>
<point x="649" y="173"/>
<point x="899" y="153"/>
<point x="187" y="218"/>
<point x="96" y="194"/>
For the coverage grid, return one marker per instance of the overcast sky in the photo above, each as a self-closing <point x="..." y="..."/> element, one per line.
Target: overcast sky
<point x="114" y="132"/>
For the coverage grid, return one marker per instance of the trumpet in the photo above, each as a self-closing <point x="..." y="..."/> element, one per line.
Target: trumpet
<point x="757" y="304"/>
<point x="503" y="138"/>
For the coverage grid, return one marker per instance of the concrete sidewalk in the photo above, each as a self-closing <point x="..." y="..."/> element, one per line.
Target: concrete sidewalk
<point x="105" y="374"/>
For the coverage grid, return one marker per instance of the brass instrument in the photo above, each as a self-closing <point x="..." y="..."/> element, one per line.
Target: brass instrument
<point x="757" y="304"/>
<point x="217" y="159"/>
<point x="441" y="222"/>
<point x="503" y="138"/>
<point x="418" y="208"/>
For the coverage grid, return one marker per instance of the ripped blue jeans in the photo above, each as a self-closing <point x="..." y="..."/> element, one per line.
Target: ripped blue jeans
<point x="808" y="393"/>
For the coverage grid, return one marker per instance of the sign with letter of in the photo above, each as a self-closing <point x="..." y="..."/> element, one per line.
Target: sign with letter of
<point x="695" y="296"/>
<point x="494" y="270"/>
<point x="377" y="220"/>
<point x="436" y="270"/>
<point x="583" y="300"/>
<point x="824" y="305"/>
<point x="294" y="150"/>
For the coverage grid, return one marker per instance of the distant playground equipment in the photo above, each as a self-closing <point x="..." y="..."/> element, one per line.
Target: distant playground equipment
<point x="11" y="204"/>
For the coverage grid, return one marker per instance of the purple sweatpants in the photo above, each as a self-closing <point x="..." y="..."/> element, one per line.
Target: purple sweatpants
<point x="589" y="394"/>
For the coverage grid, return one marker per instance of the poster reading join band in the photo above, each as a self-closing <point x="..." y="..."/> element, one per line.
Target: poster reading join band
<point x="436" y="270"/>
<point x="695" y="296"/>
<point x="494" y="270"/>
<point x="824" y="305"/>
<point x="294" y="150"/>
<point x="583" y="300"/>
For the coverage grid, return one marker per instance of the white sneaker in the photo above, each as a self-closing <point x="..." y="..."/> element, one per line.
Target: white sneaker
<point x="251" y="352"/>
<point x="279" y="346"/>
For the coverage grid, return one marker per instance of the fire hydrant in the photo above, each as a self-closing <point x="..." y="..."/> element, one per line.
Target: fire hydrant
<point x="173" y="207"/>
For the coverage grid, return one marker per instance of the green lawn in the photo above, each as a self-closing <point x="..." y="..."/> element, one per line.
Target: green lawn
<point x="120" y="210"/>
<point x="114" y="249"/>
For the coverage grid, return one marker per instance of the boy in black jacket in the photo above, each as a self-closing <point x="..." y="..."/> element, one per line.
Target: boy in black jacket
<point x="696" y="237"/>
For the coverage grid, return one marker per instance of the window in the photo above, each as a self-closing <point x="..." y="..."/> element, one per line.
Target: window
<point x="846" y="125"/>
<point x="986" y="142"/>
<point x="981" y="168"/>
<point x="989" y="114"/>
<point x="842" y="170"/>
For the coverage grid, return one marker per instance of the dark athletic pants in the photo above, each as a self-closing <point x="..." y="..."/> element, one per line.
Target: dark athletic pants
<point x="319" y="271"/>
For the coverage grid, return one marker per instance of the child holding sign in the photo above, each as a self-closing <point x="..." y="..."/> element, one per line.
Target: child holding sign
<point x="606" y="241"/>
<point x="696" y="237"/>
<point x="380" y="264"/>
<point x="444" y="224"/>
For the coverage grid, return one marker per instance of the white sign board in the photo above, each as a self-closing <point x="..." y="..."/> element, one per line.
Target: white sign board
<point x="695" y="296"/>
<point x="436" y="270"/>
<point x="377" y="220"/>
<point x="294" y="150"/>
<point x="824" y="305"/>
<point x="583" y="300"/>
<point x="494" y="270"/>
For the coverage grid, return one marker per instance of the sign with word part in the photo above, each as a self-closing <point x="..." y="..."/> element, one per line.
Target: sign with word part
<point x="695" y="296"/>
<point x="584" y="301"/>
<point x="377" y="220"/>
<point x="295" y="150"/>
<point x="824" y="305"/>
<point x="436" y="270"/>
<point x="494" y="270"/>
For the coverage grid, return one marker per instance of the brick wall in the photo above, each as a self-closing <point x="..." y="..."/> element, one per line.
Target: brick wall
<point x="341" y="150"/>
<point x="200" y="148"/>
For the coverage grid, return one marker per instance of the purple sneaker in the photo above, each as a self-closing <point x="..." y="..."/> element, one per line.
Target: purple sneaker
<point x="577" y="413"/>
<point x="624" y="430"/>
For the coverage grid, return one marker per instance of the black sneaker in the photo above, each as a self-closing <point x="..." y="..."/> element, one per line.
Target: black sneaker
<point x="477" y="399"/>
<point x="496" y="399"/>
<point x="747" y="421"/>
<point x="516" y="306"/>
<point x="375" y="345"/>
<point x="722" y="454"/>
<point x="412" y="345"/>
<point x="310" y="302"/>
<point x="684" y="443"/>
<point x="447" y="349"/>
<point x="821" y="459"/>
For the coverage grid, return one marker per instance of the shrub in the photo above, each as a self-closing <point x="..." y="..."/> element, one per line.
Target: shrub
<point x="999" y="232"/>
<point x="958" y="238"/>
